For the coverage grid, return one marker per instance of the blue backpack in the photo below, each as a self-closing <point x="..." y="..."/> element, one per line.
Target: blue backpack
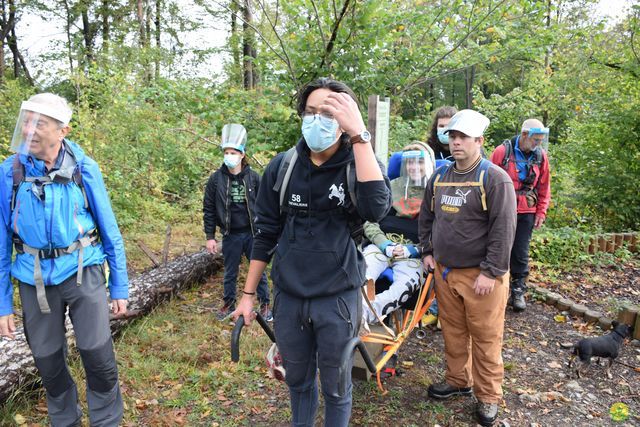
<point x="480" y="182"/>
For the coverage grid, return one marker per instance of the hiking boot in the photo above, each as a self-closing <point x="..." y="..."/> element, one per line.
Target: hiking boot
<point x="226" y="310"/>
<point x="486" y="413"/>
<point x="444" y="391"/>
<point x="265" y="312"/>
<point x="516" y="298"/>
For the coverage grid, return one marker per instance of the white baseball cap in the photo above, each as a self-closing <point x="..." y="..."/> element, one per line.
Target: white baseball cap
<point x="469" y="122"/>
<point x="50" y="105"/>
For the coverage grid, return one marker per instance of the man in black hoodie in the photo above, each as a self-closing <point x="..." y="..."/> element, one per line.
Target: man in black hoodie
<point x="317" y="270"/>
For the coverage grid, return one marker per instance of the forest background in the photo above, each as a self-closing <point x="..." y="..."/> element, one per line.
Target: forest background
<point x="149" y="107"/>
<point x="152" y="82"/>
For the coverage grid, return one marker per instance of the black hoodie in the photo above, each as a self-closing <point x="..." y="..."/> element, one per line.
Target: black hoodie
<point x="216" y="206"/>
<point x="315" y="254"/>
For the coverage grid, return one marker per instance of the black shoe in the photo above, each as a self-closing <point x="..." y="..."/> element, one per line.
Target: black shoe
<point x="266" y="312"/>
<point x="444" y="391"/>
<point x="518" y="287"/>
<point x="486" y="413"/>
<point x="519" y="303"/>
<point x="226" y="310"/>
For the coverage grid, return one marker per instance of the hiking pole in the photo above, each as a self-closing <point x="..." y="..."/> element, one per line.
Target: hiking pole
<point x="237" y="329"/>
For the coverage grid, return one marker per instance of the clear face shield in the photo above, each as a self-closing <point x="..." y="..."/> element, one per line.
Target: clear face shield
<point x="538" y="137"/>
<point x="38" y="129"/>
<point x="234" y="136"/>
<point x="413" y="166"/>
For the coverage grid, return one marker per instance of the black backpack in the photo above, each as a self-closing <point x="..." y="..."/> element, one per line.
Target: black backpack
<point x="282" y="181"/>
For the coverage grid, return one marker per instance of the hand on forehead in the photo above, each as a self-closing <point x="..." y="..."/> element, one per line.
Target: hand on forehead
<point x="336" y="101"/>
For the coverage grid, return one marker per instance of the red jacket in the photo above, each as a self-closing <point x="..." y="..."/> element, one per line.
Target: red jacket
<point x="542" y="182"/>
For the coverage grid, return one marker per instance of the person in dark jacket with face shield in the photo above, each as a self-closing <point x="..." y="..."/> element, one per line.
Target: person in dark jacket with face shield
<point x="229" y="201"/>
<point x="317" y="269"/>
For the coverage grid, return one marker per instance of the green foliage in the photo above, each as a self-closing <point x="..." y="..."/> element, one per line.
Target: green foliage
<point x="602" y="154"/>
<point x="402" y="132"/>
<point x="156" y="145"/>
<point x="559" y="247"/>
<point x="567" y="248"/>
<point x="12" y="93"/>
<point x="156" y="135"/>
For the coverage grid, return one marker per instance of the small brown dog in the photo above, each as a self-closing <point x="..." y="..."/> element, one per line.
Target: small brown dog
<point x="605" y="346"/>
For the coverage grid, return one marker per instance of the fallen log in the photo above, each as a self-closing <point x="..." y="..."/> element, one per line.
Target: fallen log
<point x="146" y="291"/>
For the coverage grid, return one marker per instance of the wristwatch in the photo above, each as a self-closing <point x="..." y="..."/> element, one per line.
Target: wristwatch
<point x="361" y="138"/>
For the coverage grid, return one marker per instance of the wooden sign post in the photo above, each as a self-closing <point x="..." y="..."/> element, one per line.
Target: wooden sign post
<point x="378" y="125"/>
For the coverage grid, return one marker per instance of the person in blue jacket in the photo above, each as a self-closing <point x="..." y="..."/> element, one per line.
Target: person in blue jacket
<point x="56" y="214"/>
<point x="317" y="270"/>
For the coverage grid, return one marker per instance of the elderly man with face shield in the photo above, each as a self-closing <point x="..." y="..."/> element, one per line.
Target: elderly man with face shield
<point x="57" y="216"/>
<point x="393" y="241"/>
<point x="306" y="226"/>
<point x="524" y="158"/>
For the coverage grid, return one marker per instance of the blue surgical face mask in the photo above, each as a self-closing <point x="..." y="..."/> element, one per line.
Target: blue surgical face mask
<point x="443" y="137"/>
<point x="231" y="160"/>
<point x="319" y="132"/>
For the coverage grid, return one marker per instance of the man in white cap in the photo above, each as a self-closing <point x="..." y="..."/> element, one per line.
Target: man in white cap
<point x="467" y="223"/>
<point x="53" y="203"/>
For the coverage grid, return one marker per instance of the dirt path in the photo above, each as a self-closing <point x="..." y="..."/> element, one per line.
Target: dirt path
<point x="537" y="387"/>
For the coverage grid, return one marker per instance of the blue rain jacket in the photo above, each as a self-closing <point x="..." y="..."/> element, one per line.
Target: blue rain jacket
<point x="57" y="222"/>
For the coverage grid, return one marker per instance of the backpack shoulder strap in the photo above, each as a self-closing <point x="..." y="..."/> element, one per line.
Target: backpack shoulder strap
<point x="17" y="171"/>
<point x="351" y="183"/>
<point x="537" y="156"/>
<point x="508" y="151"/>
<point x="354" y="221"/>
<point x="482" y="174"/>
<point x="77" y="178"/>
<point x="284" y="172"/>
<point x="438" y="174"/>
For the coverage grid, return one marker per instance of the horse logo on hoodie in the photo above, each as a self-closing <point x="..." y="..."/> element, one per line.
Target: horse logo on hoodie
<point x="337" y="192"/>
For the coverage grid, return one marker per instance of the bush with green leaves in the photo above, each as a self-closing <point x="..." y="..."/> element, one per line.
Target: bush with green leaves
<point x="566" y="247"/>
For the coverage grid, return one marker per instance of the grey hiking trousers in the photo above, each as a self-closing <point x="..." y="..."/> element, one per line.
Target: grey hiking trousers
<point x="45" y="334"/>
<point x="311" y="334"/>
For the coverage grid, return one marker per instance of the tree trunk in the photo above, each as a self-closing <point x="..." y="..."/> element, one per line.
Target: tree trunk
<point x="158" y="34"/>
<point x="68" y="31"/>
<point x="87" y="35"/>
<point x="105" y="26"/>
<point x="145" y="292"/>
<point x="5" y="28"/>
<point x="1" y="61"/>
<point x="248" y="48"/>
<point x="18" y="60"/>
<point x="469" y="74"/>
<point x="234" y="41"/>
<point x="141" y="26"/>
<point x="547" y="61"/>
<point x="147" y="23"/>
<point x="453" y="89"/>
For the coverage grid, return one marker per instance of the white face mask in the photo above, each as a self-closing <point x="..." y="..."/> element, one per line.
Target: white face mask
<point x="231" y="160"/>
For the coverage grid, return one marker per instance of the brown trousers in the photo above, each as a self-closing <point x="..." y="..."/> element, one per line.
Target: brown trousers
<point x="472" y="326"/>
